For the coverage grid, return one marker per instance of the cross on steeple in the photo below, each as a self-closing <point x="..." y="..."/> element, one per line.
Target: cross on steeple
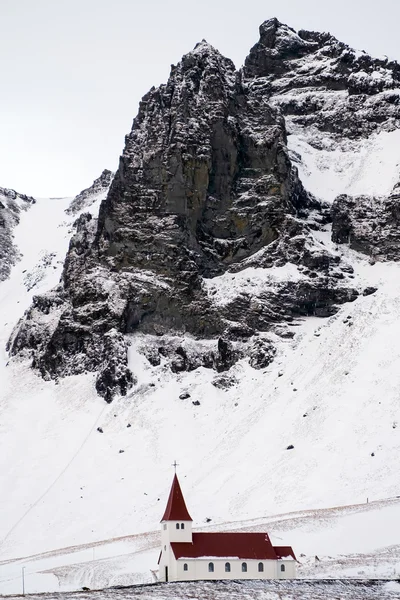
<point x="175" y="464"/>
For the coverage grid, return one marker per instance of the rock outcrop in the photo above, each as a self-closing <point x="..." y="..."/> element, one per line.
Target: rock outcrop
<point x="368" y="224"/>
<point x="333" y="99"/>
<point x="323" y="84"/>
<point x="11" y="204"/>
<point x="88" y="196"/>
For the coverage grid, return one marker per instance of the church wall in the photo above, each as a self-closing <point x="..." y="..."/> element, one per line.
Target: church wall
<point x="290" y="569"/>
<point x="198" y="569"/>
<point x="169" y="532"/>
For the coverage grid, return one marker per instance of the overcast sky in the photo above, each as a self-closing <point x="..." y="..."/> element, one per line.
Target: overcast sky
<point x="73" y="71"/>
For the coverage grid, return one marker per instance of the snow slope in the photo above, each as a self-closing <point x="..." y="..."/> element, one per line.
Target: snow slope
<point x="343" y="542"/>
<point x="329" y="166"/>
<point x="332" y="392"/>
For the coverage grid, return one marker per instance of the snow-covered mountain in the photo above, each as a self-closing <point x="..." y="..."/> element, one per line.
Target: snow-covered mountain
<point x="234" y="296"/>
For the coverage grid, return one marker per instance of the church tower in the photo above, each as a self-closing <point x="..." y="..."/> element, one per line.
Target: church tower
<point x="176" y="526"/>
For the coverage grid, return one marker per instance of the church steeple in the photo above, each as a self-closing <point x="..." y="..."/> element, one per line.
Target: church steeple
<point x="176" y="508"/>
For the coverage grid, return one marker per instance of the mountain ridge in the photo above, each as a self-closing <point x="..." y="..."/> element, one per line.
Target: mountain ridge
<point x="205" y="185"/>
<point x="296" y="392"/>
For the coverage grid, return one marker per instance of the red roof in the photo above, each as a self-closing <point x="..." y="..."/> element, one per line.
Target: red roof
<point x="283" y="552"/>
<point x="176" y="508"/>
<point x="220" y="545"/>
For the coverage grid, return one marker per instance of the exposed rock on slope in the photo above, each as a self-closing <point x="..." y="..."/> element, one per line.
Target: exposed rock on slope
<point x="88" y="196"/>
<point x="205" y="189"/>
<point x="368" y="224"/>
<point x="11" y="204"/>
<point x="323" y="83"/>
<point x="333" y="98"/>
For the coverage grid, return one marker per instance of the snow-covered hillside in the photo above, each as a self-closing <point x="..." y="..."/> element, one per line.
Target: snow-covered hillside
<point x="350" y="542"/>
<point x="332" y="393"/>
<point x="83" y="483"/>
<point x="329" y="167"/>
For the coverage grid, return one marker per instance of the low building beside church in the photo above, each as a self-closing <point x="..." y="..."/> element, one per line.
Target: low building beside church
<point x="193" y="556"/>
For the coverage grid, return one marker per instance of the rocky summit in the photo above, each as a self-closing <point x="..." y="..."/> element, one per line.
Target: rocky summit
<point x="209" y="229"/>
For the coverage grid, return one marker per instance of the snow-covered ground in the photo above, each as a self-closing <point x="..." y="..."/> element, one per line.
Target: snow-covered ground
<point x="257" y="590"/>
<point x="332" y="393"/>
<point x="329" y="166"/>
<point x="343" y="542"/>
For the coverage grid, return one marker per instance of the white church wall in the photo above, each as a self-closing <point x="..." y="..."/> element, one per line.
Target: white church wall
<point x="171" y="533"/>
<point x="290" y="571"/>
<point x="199" y="569"/>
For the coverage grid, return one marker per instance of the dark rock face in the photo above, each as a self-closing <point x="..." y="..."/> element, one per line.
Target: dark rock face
<point x="197" y="190"/>
<point x="205" y="188"/>
<point x="321" y="82"/>
<point x="11" y="204"/>
<point x="262" y="354"/>
<point x="187" y="355"/>
<point x="369" y="225"/>
<point x="114" y="376"/>
<point x="333" y="96"/>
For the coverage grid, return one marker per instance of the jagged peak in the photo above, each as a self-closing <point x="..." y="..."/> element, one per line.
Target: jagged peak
<point x="274" y="24"/>
<point x="203" y="59"/>
<point x="204" y="46"/>
<point x="281" y="37"/>
<point x="205" y="51"/>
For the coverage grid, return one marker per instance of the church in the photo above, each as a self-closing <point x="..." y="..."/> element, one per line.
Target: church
<point x="187" y="556"/>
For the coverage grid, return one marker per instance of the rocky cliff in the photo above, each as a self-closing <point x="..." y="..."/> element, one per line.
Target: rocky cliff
<point x="322" y="84"/>
<point x="207" y="229"/>
<point x="335" y="98"/>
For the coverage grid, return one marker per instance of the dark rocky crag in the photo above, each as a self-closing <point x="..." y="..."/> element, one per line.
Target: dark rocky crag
<point x="334" y="95"/>
<point x="205" y="186"/>
<point x="321" y="83"/>
<point x="11" y="204"/>
<point x="368" y="224"/>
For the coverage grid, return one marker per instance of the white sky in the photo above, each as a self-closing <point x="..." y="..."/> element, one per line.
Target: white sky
<point x="73" y="71"/>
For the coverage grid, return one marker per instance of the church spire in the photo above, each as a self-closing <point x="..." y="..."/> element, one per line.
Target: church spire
<point x="176" y="508"/>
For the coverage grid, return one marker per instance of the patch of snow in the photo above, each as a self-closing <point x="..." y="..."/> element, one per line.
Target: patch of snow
<point x="252" y="280"/>
<point x="369" y="166"/>
<point x="392" y="586"/>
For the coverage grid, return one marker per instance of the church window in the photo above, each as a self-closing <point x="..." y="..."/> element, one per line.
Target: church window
<point x="182" y="525"/>
<point x="211" y="567"/>
<point x="244" y="567"/>
<point x="283" y="568"/>
<point x="227" y="567"/>
<point x="177" y="525"/>
<point x="260" y="567"/>
<point x="165" y="526"/>
<point x="165" y="548"/>
<point x="185" y="567"/>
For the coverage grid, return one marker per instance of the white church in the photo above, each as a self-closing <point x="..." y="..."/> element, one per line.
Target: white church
<point x="193" y="556"/>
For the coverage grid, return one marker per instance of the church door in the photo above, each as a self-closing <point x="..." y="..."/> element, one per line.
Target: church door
<point x="166" y="573"/>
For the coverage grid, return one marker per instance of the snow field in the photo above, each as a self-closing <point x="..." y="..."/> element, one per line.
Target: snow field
<point x="332" y="393"/>
<point x="368" y="166"/>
